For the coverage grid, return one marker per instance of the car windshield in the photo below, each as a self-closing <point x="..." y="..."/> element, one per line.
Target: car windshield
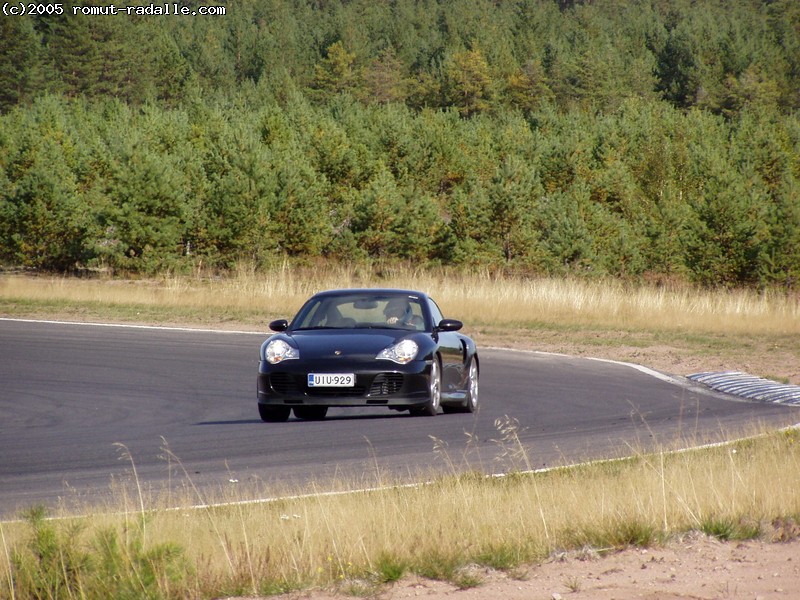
<point x="362" y="311"/>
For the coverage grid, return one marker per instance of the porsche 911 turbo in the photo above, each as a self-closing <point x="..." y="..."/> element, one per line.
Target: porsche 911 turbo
<point x="367" y="347"/>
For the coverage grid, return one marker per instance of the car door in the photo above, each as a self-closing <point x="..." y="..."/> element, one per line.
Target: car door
<point x="452" y="351"/>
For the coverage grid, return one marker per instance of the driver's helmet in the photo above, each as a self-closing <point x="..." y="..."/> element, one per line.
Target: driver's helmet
<point x="397" y="307"/>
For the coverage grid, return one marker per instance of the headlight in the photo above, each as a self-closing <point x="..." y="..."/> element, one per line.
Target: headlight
<point x="278" y="350"/>
<point x="401" y="352"/>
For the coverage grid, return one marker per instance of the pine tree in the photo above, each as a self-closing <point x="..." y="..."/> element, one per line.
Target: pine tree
<point x="469" y="84"/>
<point x="513" y="196"/>
<point x="384" y="79"/>
<point x="21" y="75"/>
<point x="336" y="72"/>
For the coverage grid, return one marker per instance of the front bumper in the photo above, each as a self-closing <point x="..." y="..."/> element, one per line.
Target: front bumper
<point x="381" y="384"/>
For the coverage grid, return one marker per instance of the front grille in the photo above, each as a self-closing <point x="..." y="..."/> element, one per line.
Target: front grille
<point x="386" y="384"/>
<point x="292" y="384"/>
<point x="283" y="383"/>
<point x="357" y="390"/>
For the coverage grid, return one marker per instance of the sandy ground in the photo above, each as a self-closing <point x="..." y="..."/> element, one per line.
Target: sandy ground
<point x="696" y="567"/>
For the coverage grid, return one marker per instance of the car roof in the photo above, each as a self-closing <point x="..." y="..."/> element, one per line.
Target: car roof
<point x="374" y="291"/>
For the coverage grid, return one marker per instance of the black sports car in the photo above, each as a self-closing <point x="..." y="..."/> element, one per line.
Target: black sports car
<point x="367" y="347"/>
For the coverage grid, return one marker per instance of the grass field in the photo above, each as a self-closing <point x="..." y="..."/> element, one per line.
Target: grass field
<point x="479" y="298"/>
<point x="140" y="547"/>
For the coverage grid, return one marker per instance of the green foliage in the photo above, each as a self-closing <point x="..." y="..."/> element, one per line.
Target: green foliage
<point x="513" y="200"/>
<point x="46" y="222"/>
<point x="503" y="556"/>
<point x="390" y="568"/>
<point x="726" y="529"/>
<point x="21" y="68"/>
<point x="125" y="569"/>
<point x="385" y="80"/>
<point x="719" y="56"/>
<point x="336" y="72"/>
<point x="618" y="533"/>
<point x="468" y="82"/>
<point x="631" y="140"/>
<point x="57" y="563"/>
<point x="53" y="564"/>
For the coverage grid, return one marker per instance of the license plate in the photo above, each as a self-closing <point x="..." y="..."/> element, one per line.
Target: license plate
<point x="331" y="379"/>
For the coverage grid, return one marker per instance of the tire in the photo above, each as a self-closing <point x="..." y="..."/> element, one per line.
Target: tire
<point x="273" y="414"/>
<point x="434" y="393"/>
<point x="470" y="404"/>
<point x="310" y="413"/>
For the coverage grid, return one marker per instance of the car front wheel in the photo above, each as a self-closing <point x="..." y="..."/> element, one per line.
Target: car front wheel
<point x="434" y="393"/>
<point x="310" y="413"/>
<point x="273" y="414"/>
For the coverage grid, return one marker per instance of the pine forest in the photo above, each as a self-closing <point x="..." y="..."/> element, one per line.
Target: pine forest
<point x="634" y="139"/>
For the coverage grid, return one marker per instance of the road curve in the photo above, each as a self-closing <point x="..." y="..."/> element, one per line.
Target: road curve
<point x="82" y="405"/>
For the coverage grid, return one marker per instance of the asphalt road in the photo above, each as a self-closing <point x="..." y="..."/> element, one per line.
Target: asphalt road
<point x="83" y="406"/>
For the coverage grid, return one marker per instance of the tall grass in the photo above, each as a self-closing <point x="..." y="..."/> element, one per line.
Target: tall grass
<point x="480" y="298"/>
<point x="356" y="542"/>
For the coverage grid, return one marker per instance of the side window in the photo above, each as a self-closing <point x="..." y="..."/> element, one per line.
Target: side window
<point x="308" y="315"/>
<point x="436" y="314"/>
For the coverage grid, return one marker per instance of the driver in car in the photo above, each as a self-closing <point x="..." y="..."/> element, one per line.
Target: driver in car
<point x="398" y="312"/>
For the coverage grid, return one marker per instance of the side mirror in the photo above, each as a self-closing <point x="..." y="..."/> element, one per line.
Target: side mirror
<point x="449" y="325"/>
<point x="279" y="325"/>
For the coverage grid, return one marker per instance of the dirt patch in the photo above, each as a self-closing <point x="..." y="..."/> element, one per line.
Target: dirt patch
<point x="695" y="567"/>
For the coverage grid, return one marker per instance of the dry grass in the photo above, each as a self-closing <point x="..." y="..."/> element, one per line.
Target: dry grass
<point x="479" y="298"/>
<point x="358" y="541"/>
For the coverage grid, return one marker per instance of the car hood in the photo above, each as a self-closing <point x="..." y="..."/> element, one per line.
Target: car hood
<point x="344" y="343"/>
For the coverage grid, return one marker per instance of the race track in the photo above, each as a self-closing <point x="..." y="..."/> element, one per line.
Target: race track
<point x="81" y="405"/>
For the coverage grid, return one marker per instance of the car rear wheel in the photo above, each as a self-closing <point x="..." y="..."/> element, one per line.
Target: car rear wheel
<point x="310" y="413"/>
<point x="470" y="404"/>
<point x="434" y="393"/>
<point x="273" y="414"/>
<point x="472" y="387"/>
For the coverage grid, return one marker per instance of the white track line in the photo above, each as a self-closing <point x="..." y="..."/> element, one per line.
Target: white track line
<point x="133" y="326"/>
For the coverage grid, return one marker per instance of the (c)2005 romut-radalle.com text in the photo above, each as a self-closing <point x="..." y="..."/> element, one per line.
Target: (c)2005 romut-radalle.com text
<point x="167" y="8"/>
